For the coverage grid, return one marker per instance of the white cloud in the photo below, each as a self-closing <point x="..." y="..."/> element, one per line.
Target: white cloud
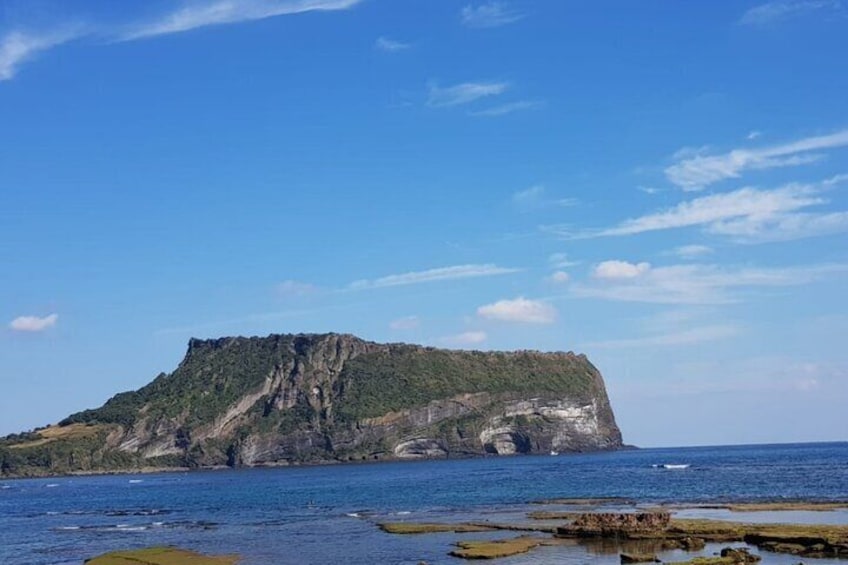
<point x="33" y="323"/>
<point x="405" y="323"/>
<point x="561" y="261"/>
<point x="701" y="284"/>
<point x="18" y="47"/>
<point x="567" y="202"/>
<point x="507" y="108"/>
<point x="465" y="338"/>
<point x="390" y="45"/>
<point x="754" y="134"/>
<point x="559" y="277"/>
<point x="685" y="337"/>
<point x="529" y="195"/>
<point x="202" y="14"/>
<point x="519" y="310"/>
<point x="530" y="198"/>
<point x="692" y="251"/>
<point x="694" y="172"/>
<point x="432" y="275"/>
<point x="612" y="270"/>
<point x="779" y="10"/>
<point x="782" y="228"/>
<point x="534" y="197"/>
<point x="649" y="189"/>
<point x="296" y="288"/>
<point x="463" y="93"/>
<point x="491" y="14"/>
<point x="749" y="215"/>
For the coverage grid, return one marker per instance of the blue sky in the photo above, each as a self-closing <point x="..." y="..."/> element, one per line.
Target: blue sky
<point x="659" y="185"/>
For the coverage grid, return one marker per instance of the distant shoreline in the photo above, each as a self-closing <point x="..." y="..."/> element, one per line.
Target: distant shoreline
<point x="331" y="462"/>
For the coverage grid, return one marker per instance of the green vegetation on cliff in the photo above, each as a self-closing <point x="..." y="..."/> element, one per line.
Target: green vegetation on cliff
<point x="408" y="376"/>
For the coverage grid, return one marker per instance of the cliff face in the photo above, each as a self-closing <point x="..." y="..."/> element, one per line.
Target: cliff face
<point x="310" y="398"/>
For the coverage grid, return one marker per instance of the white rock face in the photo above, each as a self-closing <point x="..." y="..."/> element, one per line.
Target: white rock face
<point x="500" y="439"/>
<point x="419" y="448"/>
<point x="570" y="425"/>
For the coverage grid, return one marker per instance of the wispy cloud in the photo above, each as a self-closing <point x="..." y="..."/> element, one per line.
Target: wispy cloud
<point x="465" y="338"/>
<point x="203" y="14"/>
<point x="561" y="261"/>
<point x="649" y="189"/>
<point x="405" y="323"/>
<point x="754" y="134"/>
<point x="536" y="197"/>
<point x="519" y="310"/>
<point x="528" y="196"/>
<point x="490" y="14"/>
<point x="685" y="337"/>
<point x="463" y="93"/>
<point x="698" y="170"/>
<point x="33" y="323"/>
<point x="748" y="215"/>
<point x="296" y="288"/>
<point x="699" y="284"/>
<point x="390" y="45"/>
<point x="507" y="108"/>
<point x="18" y="47"/>
<point x="781" y="10"/>
<point x="691" y="251"/>
<point x="433" y="275"/>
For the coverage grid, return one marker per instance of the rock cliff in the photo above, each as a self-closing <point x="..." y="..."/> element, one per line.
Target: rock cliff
<point x="302" y="398"/>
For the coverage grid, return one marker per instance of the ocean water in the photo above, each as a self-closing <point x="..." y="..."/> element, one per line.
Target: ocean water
<point x="328" y="514"/>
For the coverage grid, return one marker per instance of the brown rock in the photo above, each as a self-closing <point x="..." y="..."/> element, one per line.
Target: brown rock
<point x="616" y="524"/>
<point x="739" y="555"/>
<point x="639" y="558"/>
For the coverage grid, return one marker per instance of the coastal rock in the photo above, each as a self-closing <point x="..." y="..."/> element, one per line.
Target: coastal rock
<point x="418" y="448"/>
<point x="305" y="398"/>
<point x="739" y="555"/>
<point x="616" y="524"/>
<point x="687" y="544"/>
<point x="638" y="558"/>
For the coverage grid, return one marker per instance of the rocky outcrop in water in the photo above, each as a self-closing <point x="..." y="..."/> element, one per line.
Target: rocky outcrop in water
<point x="287" y="399"/>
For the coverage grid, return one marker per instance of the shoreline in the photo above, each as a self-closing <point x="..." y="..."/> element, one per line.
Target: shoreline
<point x="316" y="463"/>
<point x="598" y="525"/>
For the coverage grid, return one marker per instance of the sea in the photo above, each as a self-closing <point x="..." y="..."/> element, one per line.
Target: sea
<point x="329" y="513"/>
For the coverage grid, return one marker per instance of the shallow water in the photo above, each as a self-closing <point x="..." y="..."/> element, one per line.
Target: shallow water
<point x="328" y="514"/>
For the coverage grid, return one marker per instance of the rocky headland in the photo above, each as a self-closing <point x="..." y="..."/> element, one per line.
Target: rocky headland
<point x="321" y="398"/>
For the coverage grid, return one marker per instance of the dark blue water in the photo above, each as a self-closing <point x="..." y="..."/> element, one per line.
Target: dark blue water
<point x="328" y="514"/>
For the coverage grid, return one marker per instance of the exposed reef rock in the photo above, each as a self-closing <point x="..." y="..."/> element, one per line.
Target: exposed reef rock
<point x="288" y="399"/>
<point x="616" y="524"/>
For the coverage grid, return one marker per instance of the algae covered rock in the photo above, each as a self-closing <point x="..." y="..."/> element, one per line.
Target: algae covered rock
<point x="160" y="556"/>
<point x="638" y="558"/>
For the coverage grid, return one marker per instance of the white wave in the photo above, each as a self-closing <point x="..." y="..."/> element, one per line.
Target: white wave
<point x="676" y="466"/>
<point x="51" y="485"/>
<point x="136" y="481"/>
